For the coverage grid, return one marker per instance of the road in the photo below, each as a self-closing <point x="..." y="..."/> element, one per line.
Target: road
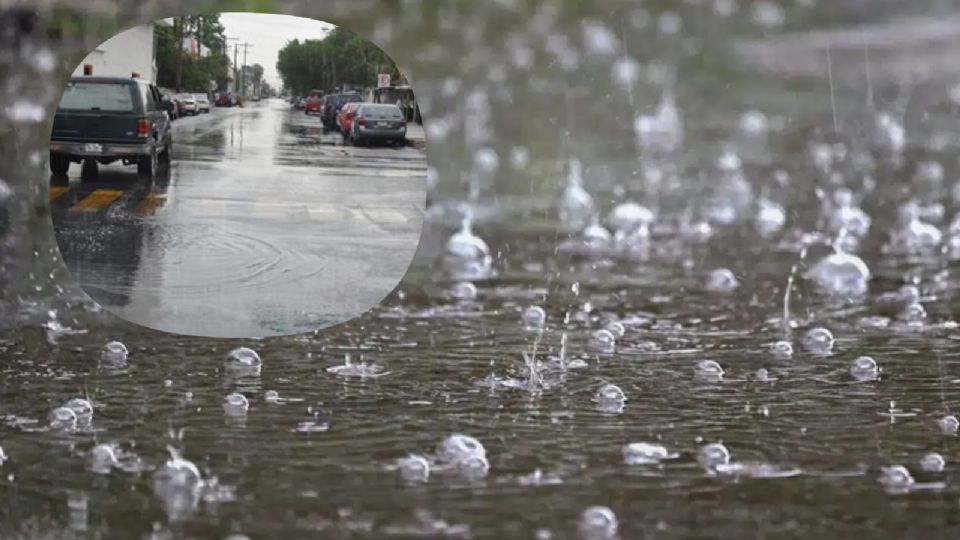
<point x="263" y="225"/>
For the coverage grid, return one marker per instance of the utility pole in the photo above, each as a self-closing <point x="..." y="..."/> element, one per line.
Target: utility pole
<point x="243" y="69"/>
<point x="225" y="40"/>
<point x="178" y="24"/>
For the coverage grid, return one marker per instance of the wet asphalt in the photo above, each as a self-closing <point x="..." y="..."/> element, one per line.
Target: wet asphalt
<point x="263" y="224"/>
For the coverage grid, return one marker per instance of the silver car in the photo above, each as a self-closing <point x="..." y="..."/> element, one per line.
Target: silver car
<point x="203" y="103"/>
<point x="378" y="122"/>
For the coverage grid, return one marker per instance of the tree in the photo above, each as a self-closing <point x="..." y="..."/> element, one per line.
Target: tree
<point x="195" y="72"/>
<point x="340" y="58"/>
<point x="257" y="74"/>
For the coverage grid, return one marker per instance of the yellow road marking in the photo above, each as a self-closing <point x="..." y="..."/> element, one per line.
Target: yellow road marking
<point x="57" y="191"/>
<point x="98" y="200"/>
<point x="151" y="204"/>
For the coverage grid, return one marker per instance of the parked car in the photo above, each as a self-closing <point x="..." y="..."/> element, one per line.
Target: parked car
<point x="170" y="105"/>
<point x="101" y="120"/>
<point x="203" y="103"/>
<point x="314" y="102"/>
<point x="345" y="118"/>
<point x="332" y="104"/>
<point x="188" y="105"/>
<point x="226" y="99"/>
<point x="378" y="122"/>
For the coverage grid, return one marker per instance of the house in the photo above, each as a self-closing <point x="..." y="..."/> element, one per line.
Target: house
<point x="130" y="51"/>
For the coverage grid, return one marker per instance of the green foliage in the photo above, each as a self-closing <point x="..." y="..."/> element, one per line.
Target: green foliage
<point x="340" y="58"/>
<point x="195" y="73"/>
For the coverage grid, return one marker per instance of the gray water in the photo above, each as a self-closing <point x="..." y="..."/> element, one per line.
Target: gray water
<point x="810" y="443"/>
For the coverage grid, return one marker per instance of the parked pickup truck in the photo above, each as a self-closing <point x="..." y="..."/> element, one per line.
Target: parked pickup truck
<point x="108" y="119"/>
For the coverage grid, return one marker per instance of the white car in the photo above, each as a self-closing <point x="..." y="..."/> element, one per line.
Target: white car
<point x="188" y="104"/>
<point x="203" y="103"/>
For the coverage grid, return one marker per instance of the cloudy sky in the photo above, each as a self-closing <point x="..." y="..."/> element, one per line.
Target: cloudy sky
<point x="267" y="34"/>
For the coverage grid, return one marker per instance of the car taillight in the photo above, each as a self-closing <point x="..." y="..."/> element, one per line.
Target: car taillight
<point x="403" y="121"/>
<point x="143" y="127"/>
<point x="361" y="121"/>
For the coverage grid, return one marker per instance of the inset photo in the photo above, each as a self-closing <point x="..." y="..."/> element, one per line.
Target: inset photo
<point x="237" y="175"/>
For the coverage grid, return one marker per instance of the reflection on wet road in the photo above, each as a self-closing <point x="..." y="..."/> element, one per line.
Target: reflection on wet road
<point x="264" y="224"/>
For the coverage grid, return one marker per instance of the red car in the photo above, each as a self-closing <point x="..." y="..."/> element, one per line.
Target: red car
<point x="345" y="117"/>
<point x="314" y="102"/>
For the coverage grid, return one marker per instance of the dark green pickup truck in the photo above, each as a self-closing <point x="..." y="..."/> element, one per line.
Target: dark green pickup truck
<point x="108" y="119"/>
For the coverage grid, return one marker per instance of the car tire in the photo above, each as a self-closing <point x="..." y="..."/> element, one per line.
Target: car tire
<point x="165" y="155"/>
<point x="59" y="164"/>
<point x="89" y="170"/>
<point x="147" y="166"/>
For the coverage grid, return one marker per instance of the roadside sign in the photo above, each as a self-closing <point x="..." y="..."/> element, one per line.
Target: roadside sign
<point x="383" y="80"/>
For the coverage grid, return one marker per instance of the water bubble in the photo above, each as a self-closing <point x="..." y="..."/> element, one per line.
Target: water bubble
<point x="708" y="370"/>
<point x="841" y="274"/>
<point x="602" y="340"/>
<point x="626" y="71"/>
<point x="615" y="328"/>
<point x="933" y="462"/>
<point x="782" y="349"/>
<point x="850" y="219"/>
<point x="913" y="312"/>
<point x="763" y="375"/>
<point x="818" y="341"/>
<point x="102" y="458"/>
<point x="467" y="255"/>
<point x="644" y="453"/>
<point x="712" y="455"/>
<point x="754" y="123"/>
<point x="474" y="467"/>
<point x="235" y="404"/>
<point x="82" y="408"/>
<point x="519" y="157"/>
<point x="414" y="468"/>
<point x="896" y="477"/>
<point x="948" y="424"/>
<point x="770" y="218"/>
<point x="534" y="317"/>
<point x="630" y="218"/>
<point x="463" y="290"/>
<point x="63" y="418"/>
<point x="114" y="353"/>
<point x="598" y="38"/>
<point x="598" y="522"/>
<point x="721" y="280"/>
<point x="864" y="368"/>
<point x="271" y="396"/>
<point x="610" y="395"/>
<point x="929" y="172"/>
<point x="890" y="133"/>
<point x="244" y="356"/>
<point x="459" y="448"/>
<point x="577" y="206"/>
<point x="486" y="160"/>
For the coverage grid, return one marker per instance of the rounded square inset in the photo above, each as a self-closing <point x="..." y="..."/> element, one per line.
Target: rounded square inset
<point x="237" y="175"/>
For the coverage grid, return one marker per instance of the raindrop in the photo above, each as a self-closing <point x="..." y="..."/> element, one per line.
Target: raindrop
<point x="864" y="368"/>
<point x="753" y="123"/>
<point x="244" y="357"/>
<point x="644" y="453"/>
<point x="236" y="404"/>
<point x="615" y="328"/>
<point x="770" y="218"/>
<point x="602" y="340"/>
<point x="102" y="458"/>
<point x="467" y="255"/>
<point x="896" y="477"/>
<point x="933" y="462"/>
<point x="63" y="418"/>
<point x="721" y="280"/>
<point x="598" y="522"/>
<point x="818" y="341"/>
<point x="486" y="160"/>
<point x="114" y="353"/>
<point x="709" y="370"/>
<point x="712" y="455"/>
<point x="463" y="290"/>
<point x="782" y="349"/>
<point x="414" y="468"/>
<point x="534" y="317"/>
<point x="577" y="206"/>
<point x="841" y="274"/>
<point x="949" y="424"/>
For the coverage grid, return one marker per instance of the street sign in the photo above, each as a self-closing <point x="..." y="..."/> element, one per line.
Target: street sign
<point x="383" y="80"/>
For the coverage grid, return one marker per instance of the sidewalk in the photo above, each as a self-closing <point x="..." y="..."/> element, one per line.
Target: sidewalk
<point x="416" y="136"/>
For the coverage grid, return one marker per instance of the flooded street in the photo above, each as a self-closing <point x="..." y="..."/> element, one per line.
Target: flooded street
<point x="262" y="221"/>
<point x="669" y="285"/>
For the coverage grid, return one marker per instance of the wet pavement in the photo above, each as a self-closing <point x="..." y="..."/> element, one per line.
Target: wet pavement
<point x="264" y="224"/>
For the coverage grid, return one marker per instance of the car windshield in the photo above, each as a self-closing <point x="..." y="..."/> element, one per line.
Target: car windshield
<point x="92" y="96"/>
